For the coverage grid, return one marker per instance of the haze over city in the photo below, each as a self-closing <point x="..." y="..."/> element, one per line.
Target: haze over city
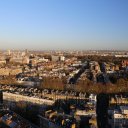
<point x="63" y="63"/>
<point x="64" y="24"/>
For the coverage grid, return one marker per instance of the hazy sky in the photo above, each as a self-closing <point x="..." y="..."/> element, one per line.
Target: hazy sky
<point x="64" y="24"/>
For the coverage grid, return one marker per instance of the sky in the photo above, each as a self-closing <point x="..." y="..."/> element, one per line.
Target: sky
<point x="64" y="24"/>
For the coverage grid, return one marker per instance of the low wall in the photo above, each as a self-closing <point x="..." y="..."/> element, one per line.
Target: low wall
<point x="17" y="97"/>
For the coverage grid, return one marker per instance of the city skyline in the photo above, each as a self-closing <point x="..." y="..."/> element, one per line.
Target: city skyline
<point x="64" y="25"/>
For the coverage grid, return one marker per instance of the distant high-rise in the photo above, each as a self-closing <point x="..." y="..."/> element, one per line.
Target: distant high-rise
<point x="26" y="51"/>
<point x="55" y="58"/>
<point x="9" y="52"/>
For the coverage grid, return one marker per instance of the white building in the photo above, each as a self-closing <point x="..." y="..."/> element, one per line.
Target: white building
<point x="92" y="98"/>
<point x="62" y="58"/>
<point x="119" y="117"/>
